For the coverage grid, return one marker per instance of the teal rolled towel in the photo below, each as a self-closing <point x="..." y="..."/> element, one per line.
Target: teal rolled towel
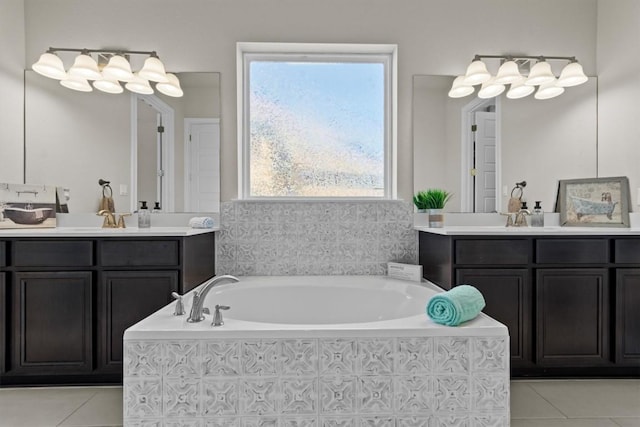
<point x="462" y="303"/>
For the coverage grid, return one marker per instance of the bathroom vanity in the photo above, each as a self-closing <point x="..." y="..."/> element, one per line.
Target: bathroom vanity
<point x="570" y="297"/>
<point x="68" y="294"/>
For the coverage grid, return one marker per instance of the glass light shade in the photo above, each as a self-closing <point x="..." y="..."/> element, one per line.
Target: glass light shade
<point x="508" y="73"/>
<point x="476" y="73"/>
<point x="139" y="85"/>
<point x="118" y="68"/>
<point x="172" y="87"/>
<point x="108" y="85"/>
<point x="548" y="90"/>
<point x="86" y="67"/>
<point x="50" y="65"/>
<point x="490" y="89"/>
<point x="572" y="75"/>
<point x="76" y="83"/>
<point x="459" y="89"/>
<point x="153" y="70"/>
<point x="540" y="73"/>
<point x="519" y="90"/>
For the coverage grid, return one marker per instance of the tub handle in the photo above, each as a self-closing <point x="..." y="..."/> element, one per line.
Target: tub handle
<point x="179" y="310"/>
<point x="217" y="315"/>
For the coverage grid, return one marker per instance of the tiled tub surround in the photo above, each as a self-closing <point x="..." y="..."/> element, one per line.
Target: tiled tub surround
<point x="285" y="375"/>
<point x="314" y="238"/>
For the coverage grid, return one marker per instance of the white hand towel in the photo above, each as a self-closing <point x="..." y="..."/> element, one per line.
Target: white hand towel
<point x="201" y="222"/>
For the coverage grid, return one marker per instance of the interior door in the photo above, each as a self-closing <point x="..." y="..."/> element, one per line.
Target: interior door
<point x="204" y="165"/>
<point x="485" y="162"/>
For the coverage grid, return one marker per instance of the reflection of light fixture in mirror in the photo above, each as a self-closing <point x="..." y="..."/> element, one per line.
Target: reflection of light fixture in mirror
<point x="548" y="90"/>
<point x="172" y="87"/>
<point x="76" y="83"/>
<point x="118" y="69"/>
<point x="519" y="90"/>
<point x="513" y="71"/>
<point x="139" y="85"/>
<point x="572" y="75"/>
<point x="476" y="73"/>
<point x="108" y="85"/>
<point x="458" y="89"/>
<point x="50" y="65"/>
<point x="490" y="88"/>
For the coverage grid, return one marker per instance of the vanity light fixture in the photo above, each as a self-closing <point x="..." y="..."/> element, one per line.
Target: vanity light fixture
<point x="108" y="77"/>
<point x="510" y="73"/>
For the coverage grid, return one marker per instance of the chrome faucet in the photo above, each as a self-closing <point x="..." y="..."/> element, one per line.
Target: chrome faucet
<point x="197" y="307"/>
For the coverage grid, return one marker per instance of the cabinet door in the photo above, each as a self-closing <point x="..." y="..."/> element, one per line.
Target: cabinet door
<point x="572" y="317"/>
<point x="627" y="326"/>
<point x="4" y="345"/>
<point x="52" y="329"/>
<point x="125" y="298"/>
<point x="508" y="295"/>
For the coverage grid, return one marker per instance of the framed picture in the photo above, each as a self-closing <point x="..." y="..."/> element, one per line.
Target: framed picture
<point x="27" y="206"/>
<point x="594" y="202"/>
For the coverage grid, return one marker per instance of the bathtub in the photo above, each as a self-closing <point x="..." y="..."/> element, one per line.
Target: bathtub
<point x="316" y="351"/>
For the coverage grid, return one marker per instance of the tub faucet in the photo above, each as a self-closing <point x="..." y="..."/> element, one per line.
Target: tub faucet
<point x="197" y="307"/>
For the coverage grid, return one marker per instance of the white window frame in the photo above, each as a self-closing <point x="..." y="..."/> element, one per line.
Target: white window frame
<point x="248" y="51"/>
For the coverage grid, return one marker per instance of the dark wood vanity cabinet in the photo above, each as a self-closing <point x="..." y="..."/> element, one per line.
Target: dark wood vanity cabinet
<point x="570" y="303"/>
<point x="52" y="316"/>
<point x="65" y="302"/>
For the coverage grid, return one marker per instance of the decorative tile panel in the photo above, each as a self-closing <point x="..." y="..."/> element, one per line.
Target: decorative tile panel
<point x="221" y="358"/>
<point x="316" y="382"/>
<point x="314" y="238"/>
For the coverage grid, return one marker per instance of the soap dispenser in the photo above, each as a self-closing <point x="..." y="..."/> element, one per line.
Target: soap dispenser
<point x="144" y="216"/>
<point x="156" y="208"/>
<point x="537" y="216"/>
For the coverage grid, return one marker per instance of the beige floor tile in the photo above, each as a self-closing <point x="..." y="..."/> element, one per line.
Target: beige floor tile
<point x="103" y="409"/>
<point x="592" y="398"/>
<point x="574" y="422"/>
<point x="40" y="407"/>
<point x="526" y="403"/>
<point x="627" y="422"/>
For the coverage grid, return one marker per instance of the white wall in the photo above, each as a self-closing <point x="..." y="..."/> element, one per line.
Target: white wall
<point x="619" y="91"/>
<point x="434" y="37"/>
<point x="12" y="46"/>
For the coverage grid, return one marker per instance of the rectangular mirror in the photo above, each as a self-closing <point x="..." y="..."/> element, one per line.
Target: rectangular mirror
<point x="73" y="139"/>
<point x="537" y="141"/>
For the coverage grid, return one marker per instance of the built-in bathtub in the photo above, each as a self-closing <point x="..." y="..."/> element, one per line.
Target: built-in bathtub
<point x="316" y="351"/>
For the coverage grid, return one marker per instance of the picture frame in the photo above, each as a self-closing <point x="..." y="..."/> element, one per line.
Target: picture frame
<point x="594" y="202"/>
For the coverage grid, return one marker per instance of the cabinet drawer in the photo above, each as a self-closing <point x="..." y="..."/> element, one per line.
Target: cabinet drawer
<point x="503" y="252"/>
<point x="572" y="251"/>
<point x="59" y="253"/>
<point x="3" y="254"/>
<point x="123" y="253"/>
<point x="627" y="251"/>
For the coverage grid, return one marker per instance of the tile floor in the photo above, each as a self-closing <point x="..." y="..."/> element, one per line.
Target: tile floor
<point x="540" y="403"/>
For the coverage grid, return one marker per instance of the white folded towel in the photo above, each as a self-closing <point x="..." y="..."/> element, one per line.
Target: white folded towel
<point x="201" y="222"/>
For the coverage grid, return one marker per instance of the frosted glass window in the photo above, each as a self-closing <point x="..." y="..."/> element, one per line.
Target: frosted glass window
<point x="316" y="126"/>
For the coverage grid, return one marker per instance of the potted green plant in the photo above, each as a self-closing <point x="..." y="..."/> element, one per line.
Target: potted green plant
<point x="432" y="201"/>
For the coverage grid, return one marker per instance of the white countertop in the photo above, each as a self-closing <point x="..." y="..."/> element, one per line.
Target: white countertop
<point x="105" y="232"/>
<point x="500" y="230"/>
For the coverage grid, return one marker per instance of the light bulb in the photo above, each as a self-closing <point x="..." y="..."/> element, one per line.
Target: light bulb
<point x="86" y="67"/>
<point x="50" y="65"/>
<point x="172" y="87"/>
<point x="459" y="89"/>
<point x="476" y="73"/>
